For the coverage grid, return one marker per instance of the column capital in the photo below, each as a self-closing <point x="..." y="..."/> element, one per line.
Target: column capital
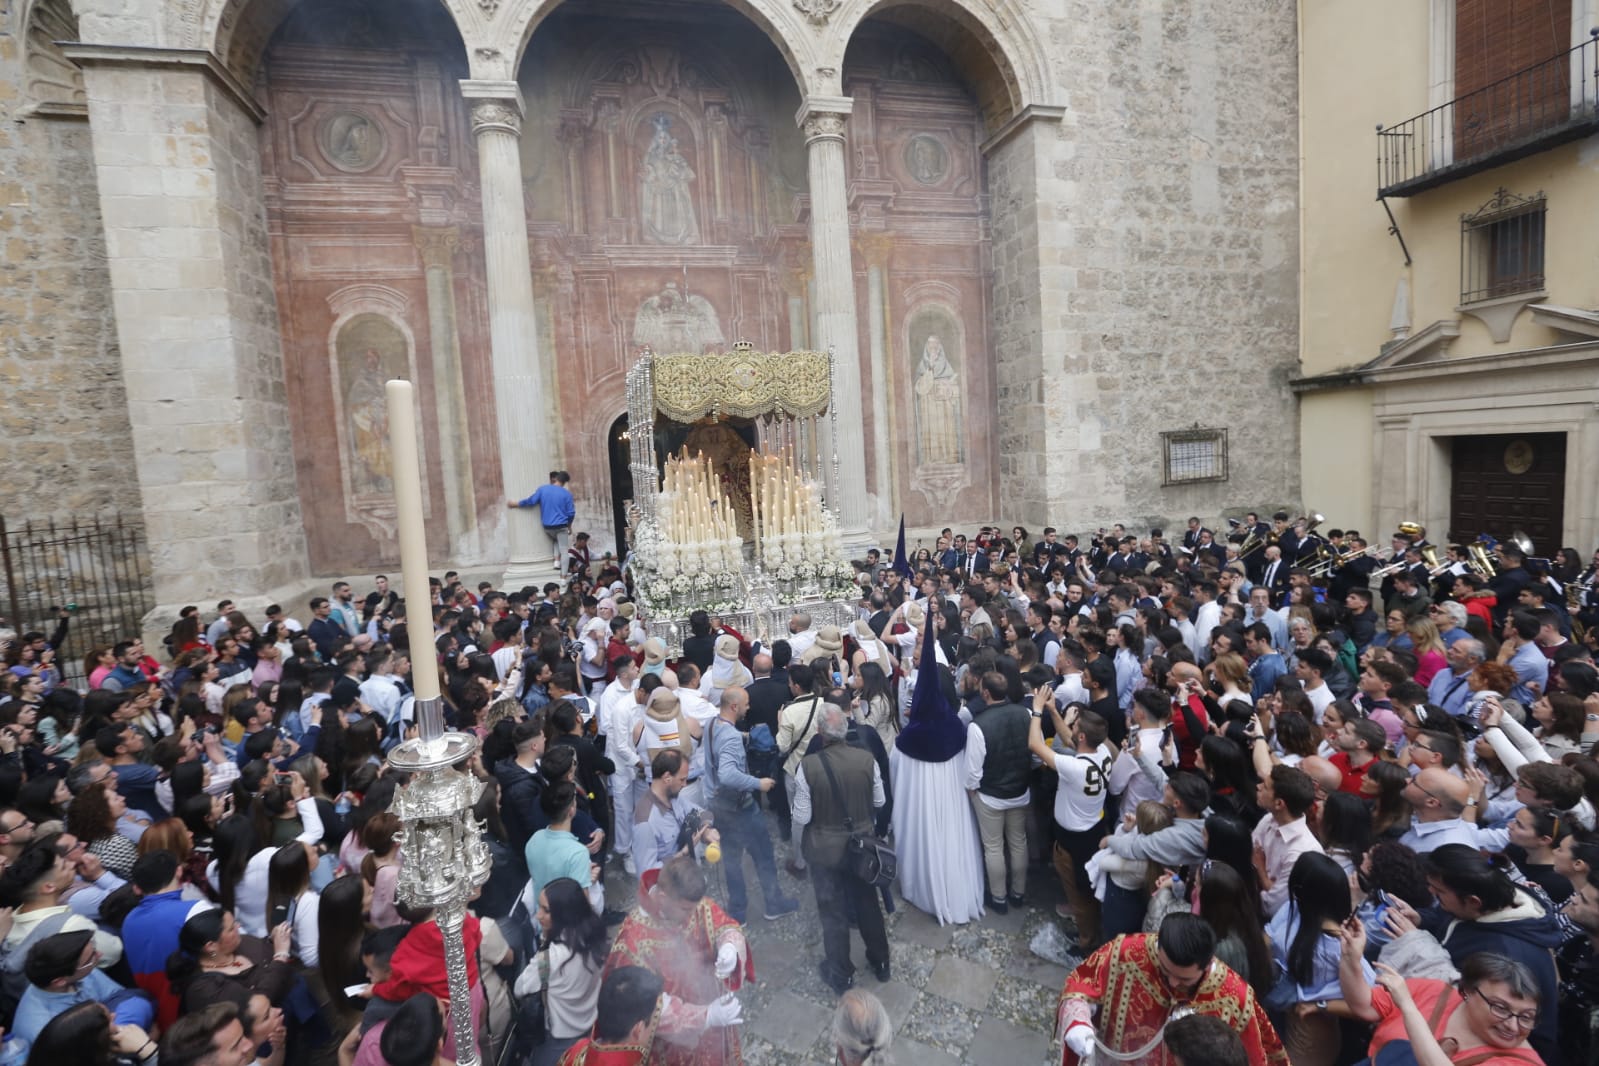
<point x="824" y="117"/>
<point x="437" y="244"/>
<point x="496" y="105"/>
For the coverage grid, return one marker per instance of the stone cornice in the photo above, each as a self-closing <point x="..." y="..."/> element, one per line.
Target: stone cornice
<point x="1030" y="113"/>
<point x="1522" y="361"/>
<point x="185" y="59"/>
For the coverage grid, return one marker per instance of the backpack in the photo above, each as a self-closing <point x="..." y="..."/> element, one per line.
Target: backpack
<point x="14" y="960"/>
<point x="761" y="752"/>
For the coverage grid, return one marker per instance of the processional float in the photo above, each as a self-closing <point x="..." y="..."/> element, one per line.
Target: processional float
<point x="749" y="532"/>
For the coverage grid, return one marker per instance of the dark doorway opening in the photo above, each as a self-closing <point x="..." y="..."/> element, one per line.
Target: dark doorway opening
<point x="1507" y="482"/>
<point x="621" y="452"/>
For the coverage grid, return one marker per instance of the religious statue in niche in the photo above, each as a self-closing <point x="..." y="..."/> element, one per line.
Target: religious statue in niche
<point x="926" y="159"/>
<point x="729" y="454"/>
<point x="371" y="350"/>
<point x="352" y="141"/>
<point x="672" y="321"/>
<point x="668" y="202"/>
<point x="938" y="389"/>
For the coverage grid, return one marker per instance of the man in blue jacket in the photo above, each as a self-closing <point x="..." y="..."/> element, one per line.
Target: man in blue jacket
<point x="556" y="509"/>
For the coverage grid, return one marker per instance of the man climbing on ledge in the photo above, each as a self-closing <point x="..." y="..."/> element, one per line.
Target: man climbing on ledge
<point x="557" y="510"/>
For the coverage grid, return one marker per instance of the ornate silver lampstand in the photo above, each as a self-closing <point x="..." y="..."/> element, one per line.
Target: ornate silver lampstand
<point x="445" y="859"/>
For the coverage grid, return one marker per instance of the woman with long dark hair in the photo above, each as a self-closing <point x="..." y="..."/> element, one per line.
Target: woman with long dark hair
<point x="875" y="704"/>
<point x="291" y="899"/>
<point x="93" y="820"/>
<point x="1345" y="830"/>
<point x="1232" y="778"/>
<point x="1385" y="784"/>
<point x="341" y="923"/>
<point x="86" y="1035"/>
<point x="1228" y="840"/>
<point x="1224" y="903"/>
<point x="574" y="955"/>
<point x="1306" y="946"/>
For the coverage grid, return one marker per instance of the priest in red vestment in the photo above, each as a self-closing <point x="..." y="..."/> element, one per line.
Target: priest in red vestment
<point x="1140" y="982"/>
<point x="701" y="956"/>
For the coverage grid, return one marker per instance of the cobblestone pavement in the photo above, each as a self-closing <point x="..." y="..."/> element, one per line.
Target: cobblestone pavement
<point x="971" y="994"/>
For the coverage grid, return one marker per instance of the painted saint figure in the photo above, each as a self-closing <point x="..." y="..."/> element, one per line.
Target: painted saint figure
<point x="668" y="203"/>
<point x="366" y="408"/>
<point x="938" y="406"/>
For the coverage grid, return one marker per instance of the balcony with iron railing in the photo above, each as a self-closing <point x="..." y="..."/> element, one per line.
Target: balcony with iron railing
<point x="1546" y="104"/>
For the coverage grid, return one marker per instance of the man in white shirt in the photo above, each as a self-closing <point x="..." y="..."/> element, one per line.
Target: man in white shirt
<point x="1206" y="618"/>
<point x="1072" y="688"/>
<point x="997" y="770"/>
<point x="1136" y="776"/>
<point x="1079" y="805"/>
<point x="1310" y="666"/>
<point x="1282" y="835"/>
<point x="595" y="638"/>
<point x="381" y="689"/>
<point x="800" y="635"/>
<point x="618" y="712"/>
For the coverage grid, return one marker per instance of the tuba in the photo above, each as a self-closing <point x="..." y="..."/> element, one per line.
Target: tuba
<point x="1429" y="555"/>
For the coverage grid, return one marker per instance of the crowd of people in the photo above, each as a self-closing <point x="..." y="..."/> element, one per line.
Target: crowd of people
<point x="1294" y="814"/>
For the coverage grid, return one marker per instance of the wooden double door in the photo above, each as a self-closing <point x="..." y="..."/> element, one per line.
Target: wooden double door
<point x="1507" y="482"/>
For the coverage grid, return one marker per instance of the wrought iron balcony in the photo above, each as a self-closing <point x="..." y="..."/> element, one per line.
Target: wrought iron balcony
<point x="1534" y="109"/>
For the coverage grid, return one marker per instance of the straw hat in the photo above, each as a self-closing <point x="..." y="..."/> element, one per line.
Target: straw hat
<point x="727" y="646"/>
<point x="654" y="651"/>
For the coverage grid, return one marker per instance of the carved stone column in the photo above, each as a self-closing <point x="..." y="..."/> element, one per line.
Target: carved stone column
<point x="527" y="453"/>
<point x="823" y="121"/>
<point x="437" y="245"/>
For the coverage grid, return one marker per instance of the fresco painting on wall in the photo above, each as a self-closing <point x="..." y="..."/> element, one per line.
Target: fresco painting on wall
<point x="666" y="187"/>
<point x="368" y="351"/>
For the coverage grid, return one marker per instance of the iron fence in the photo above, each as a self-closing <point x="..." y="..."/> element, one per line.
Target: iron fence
<point x="95" y="569"/>
<point x="1536" y="108"/>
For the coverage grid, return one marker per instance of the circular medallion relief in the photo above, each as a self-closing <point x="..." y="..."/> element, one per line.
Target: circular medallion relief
<point x="1519" y="456"/>
<point x="352" y="141"/>
<point x="926" y="159"/>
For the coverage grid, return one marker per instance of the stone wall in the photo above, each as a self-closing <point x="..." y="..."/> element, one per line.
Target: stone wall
<point x="1166" y="245"/>
<point x="65" y="443"/>
<point x="180" y="192"/>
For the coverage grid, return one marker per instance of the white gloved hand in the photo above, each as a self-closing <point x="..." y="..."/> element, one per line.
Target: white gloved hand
<point x="724" y="1012"/>
<point x="1080" y="1038"/>
<point x="726" y="961"/>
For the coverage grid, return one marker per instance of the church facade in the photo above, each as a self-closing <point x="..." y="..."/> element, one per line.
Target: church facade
<point x="1053" y="247"/>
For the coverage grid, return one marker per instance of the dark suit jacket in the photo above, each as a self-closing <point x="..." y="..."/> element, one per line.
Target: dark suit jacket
<point x="767" y="695"/>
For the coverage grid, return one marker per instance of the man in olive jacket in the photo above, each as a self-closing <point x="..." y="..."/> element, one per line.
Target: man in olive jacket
<point x="835" y="791"/>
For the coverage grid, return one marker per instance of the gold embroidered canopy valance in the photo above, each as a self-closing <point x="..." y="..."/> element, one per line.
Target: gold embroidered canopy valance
<point x="742" y="383"/>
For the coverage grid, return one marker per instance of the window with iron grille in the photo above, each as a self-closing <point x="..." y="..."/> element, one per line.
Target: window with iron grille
<point x="1502" y="247"/>
<point x="1194" y="455"/>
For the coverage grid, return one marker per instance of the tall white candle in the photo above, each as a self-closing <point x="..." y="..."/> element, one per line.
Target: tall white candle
<point x="406" y="472"/>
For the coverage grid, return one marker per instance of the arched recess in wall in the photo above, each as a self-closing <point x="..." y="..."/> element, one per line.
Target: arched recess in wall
<point x="994" y="44"/>
<point x="925" y="96"/>
<point x="372" y="214"/>
<point x="54" y="84"/>
<point x="771" y="17"/>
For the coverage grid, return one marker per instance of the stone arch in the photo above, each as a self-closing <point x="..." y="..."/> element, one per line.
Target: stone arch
<point x="995" y="44"/>
<point x="54" y="84"/>
<point x="514" y="29"/>
<point x="238" y="31"/>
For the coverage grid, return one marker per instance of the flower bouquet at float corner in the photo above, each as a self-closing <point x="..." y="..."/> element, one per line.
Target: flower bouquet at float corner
<point x="674" y="579"/>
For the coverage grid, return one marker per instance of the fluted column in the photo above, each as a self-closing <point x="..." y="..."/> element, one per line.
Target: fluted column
<point x="527" y="453"/>
<point x="437" y="246"/>
<point x="823" y="121"/>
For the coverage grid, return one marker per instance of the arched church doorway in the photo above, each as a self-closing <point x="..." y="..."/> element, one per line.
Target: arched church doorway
<point x="621" y="454"/>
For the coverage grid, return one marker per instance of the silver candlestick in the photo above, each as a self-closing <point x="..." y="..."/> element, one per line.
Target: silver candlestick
<point x="444" y="859"/>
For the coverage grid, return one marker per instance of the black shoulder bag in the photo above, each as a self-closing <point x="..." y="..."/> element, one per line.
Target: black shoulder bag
<point x="869" y="857"/>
